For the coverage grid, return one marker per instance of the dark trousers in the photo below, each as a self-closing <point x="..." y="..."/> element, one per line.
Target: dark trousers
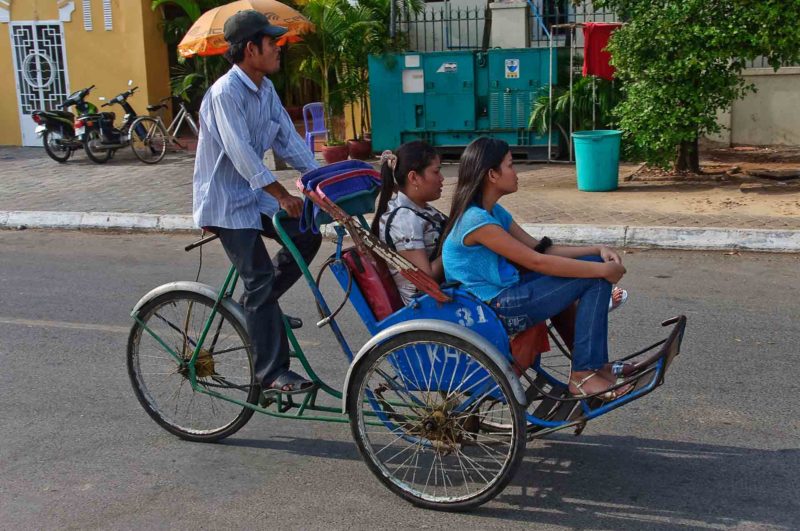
<point x="264" y="282"/>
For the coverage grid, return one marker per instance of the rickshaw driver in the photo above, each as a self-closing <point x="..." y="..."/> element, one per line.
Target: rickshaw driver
<point x="235" y="195"/>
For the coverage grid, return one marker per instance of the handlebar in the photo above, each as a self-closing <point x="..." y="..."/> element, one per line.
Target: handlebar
<point x="122" y="96"/>
<point x="79" y="95"/>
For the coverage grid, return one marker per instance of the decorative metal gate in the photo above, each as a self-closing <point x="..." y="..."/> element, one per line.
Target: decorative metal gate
<point x="40" y="71"/>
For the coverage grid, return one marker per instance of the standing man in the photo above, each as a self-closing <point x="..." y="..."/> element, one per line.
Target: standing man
<point x="235" y="195"/>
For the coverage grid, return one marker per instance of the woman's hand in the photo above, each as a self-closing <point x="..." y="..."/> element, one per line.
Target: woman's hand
<point x="614" y="272"/>
<point x="609" y="255"/>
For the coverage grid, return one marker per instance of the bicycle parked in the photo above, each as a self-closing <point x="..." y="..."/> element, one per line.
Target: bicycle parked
<point x="182" y="116"/>
<point x="146" y="135"/>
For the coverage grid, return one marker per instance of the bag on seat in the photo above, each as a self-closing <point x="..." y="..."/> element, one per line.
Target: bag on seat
<point x="373" y="278"/>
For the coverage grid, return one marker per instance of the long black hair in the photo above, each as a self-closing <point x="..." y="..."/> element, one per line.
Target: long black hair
<point x="411" y="156"/>
<point x="480" y="156"/>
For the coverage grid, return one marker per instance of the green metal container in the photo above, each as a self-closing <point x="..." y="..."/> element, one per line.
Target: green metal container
<point x="597" y="159"/>
<point x="450" y="98"/>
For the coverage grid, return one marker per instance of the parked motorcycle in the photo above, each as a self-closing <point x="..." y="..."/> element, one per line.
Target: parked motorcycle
<point x="56" y="127"/>
<point x="101" y="139"/>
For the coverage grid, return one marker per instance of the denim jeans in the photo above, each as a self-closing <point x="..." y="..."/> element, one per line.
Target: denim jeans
<point x="264" y="282"/>
<point x="537" y="297"/>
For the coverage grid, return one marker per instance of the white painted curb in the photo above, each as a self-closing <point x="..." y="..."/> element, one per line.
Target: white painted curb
<point x="709" y="238"/>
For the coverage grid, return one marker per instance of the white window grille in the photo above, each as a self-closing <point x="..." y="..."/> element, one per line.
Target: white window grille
<point x="107" y="15"/>
<point x="87" y="15"/>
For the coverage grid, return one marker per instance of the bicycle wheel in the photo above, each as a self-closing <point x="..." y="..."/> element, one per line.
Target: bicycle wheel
<point x="90" y="142"/>
<point x="224" y="365"/>
<point x="424" y="390"/>
<point x="53" y="145"/>
<point x="148" y="139"/>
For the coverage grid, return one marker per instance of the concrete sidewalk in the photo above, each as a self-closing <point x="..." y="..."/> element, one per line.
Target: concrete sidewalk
<point x="125" y="194"/>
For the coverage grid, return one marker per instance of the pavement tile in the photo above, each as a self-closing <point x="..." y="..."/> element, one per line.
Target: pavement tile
<point x="548" y="194"/>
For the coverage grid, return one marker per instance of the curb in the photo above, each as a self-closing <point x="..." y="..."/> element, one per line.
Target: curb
<point x="691" y="238"/>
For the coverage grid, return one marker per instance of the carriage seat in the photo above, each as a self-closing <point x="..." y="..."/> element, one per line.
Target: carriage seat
<point x="372" y="276"/>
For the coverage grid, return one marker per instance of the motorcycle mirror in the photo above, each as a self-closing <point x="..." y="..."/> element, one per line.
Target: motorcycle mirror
<point x="130" y="82"/>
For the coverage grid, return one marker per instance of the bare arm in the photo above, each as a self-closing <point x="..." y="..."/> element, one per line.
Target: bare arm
<point x="419" y="258"/>
<point x="506" y="245"/>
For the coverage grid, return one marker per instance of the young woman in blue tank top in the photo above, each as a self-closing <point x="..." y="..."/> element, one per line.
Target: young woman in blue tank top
<point x="484" y="247"/>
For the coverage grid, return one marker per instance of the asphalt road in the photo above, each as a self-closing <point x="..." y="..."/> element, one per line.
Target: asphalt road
<point x="717" y="447"/>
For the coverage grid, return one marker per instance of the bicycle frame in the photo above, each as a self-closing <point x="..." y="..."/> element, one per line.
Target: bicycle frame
<point x="283" y="404"/>
<point x="177" y="122"/>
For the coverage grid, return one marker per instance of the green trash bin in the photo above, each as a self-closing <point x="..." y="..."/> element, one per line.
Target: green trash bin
<point x="597" y="159"/>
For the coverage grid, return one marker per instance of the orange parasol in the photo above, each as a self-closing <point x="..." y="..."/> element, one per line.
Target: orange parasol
<point x="205" y="35"/>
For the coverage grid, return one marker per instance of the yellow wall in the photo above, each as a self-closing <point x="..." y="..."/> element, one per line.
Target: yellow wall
<point x="348" y="121"/>
<point x="133" y="49"/>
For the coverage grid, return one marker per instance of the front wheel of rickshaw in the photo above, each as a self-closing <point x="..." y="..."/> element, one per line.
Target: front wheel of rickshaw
<point x="414" y="405"/>
<point x="223" y="368"/>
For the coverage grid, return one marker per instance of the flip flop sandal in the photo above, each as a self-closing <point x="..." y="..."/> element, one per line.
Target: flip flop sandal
<point x="289" y="383"/>
<point x="611" y="305"/>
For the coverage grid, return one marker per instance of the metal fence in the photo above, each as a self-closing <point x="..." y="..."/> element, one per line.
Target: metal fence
<point x="445" y="28"/>
<point x="548" y="13"/>
<point x="454" y="27"/>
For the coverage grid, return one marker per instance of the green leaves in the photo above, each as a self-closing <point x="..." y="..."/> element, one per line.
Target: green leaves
<point x="681" y="62"/>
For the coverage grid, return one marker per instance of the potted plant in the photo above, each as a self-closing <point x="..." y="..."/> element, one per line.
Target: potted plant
<point x="324" y="46"/>
<point x="361" y="39"/>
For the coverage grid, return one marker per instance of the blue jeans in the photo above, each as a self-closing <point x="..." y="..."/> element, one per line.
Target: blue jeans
<point x="538" y="297"/>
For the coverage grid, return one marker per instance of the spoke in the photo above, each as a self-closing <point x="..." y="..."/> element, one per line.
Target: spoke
<point x="486" y="449"/>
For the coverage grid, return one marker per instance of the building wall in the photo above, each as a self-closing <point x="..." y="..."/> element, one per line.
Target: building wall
<point x="133" y="49"/>
<point x="770" y="116"/>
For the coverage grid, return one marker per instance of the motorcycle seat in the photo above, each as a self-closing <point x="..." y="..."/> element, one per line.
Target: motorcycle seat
<point x="62" y="114"/>
<point x="156" y="107"/>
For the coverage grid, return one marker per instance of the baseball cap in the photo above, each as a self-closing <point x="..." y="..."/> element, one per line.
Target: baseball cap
<point x="245" y="24"/>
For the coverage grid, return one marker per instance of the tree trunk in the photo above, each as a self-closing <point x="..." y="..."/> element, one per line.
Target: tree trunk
<point x="689" y="156"/>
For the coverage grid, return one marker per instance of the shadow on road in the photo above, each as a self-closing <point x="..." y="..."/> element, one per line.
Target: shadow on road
<point x="614" y="482"/>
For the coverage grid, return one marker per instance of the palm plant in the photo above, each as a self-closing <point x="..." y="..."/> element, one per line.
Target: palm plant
<point x="189" y="77"/>
<point x="592" y="101"/>
<point x="324" y="46"/>
<point x="360" y="40"/>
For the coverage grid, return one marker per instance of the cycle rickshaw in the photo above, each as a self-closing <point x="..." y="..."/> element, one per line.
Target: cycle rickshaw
<point x="437" y="404"/>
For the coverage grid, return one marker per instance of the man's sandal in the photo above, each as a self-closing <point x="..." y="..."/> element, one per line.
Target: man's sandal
<point x="289" y="383"/>
<point x="604" y="396"/>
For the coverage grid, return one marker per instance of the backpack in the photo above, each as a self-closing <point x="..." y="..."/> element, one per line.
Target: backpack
<point x="439" y="224"/>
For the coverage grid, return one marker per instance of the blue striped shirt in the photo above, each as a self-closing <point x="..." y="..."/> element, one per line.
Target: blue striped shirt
<point x="238" y="123"/>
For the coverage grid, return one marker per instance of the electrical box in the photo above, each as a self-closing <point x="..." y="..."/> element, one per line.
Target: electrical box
<point x="450" y="98"/>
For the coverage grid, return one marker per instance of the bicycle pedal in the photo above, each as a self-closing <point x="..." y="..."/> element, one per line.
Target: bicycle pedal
<point x="266" y="401"/>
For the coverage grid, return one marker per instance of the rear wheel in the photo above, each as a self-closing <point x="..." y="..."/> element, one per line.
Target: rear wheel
<point x="91" y="145"/>
<point x="54" y="146"/>
<point x="148" y="139"/>
<point x="224" y="365"/>
<point x="415" y="413"/>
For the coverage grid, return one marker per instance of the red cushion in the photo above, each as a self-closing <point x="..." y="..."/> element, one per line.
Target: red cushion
<point x="373" y="278"/>
<point x="528" y="344"/>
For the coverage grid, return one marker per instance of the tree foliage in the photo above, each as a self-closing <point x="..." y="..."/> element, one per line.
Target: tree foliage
<point x="681" y="62"/>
